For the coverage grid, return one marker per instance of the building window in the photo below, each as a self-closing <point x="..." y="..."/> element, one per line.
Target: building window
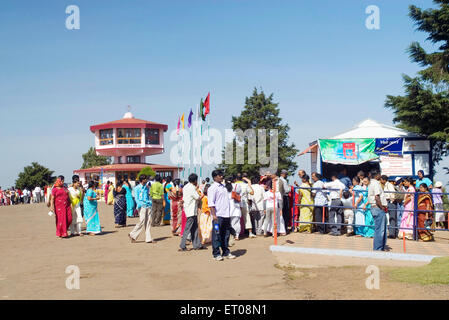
<point x="129" y="136"/>
<point x="165" y="174"/>
<point x="106" y="137"/>
<point x="151" y="136"/>
<point x="133" y="159"/>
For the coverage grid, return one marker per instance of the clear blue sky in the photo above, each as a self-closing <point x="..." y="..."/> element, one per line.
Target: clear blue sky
<point x="326" y="70"/>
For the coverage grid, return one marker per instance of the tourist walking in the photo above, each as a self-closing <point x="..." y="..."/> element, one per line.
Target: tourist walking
<point x="130" y="205"/>
<point x="91" y="215"/>
<point x="285" y="190"/>
<point x="175" y="196"/>
<point x="119" y="205"/>
<point x="235" y="207"/>
<point x="218" y="201"/>
<point x="156" y="194"/>
<point x="144" y="206"/>
<point x="76" y="199"/>
<point x="205" y="219"/>
<point x="363" y="218"/>
<point x="167" y="202"/>
<point x="106" y="191"/>
<point x="110" y="197"/>
<point x="191" y="197"/>
<point x="61" y="207"/>
<point x="376" y="199"/>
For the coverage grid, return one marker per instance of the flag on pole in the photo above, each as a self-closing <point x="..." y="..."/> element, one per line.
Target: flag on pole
<point x="207" y="105"/>
<point x="179" y="125"/>
<point x="182" y="120"/>
<point x="202" y="110"/>
<point x="189" y="123"/>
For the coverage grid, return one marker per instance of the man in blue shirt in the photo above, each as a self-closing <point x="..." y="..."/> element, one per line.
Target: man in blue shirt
<point x="343" y="177"/>
<point x="144" y="204"/>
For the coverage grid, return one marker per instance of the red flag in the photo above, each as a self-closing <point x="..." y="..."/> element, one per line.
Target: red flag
<point x="207" y="105"/>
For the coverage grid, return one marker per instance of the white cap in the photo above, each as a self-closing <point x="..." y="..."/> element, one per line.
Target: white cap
<point x="438" y="184"/>
<point x="397" y="179"/>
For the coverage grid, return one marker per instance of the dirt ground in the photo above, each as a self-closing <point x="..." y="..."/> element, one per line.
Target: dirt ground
<point x="33" y="263"/>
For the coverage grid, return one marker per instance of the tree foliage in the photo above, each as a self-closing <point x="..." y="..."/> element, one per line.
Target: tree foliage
<point x="260" y="112"/>
<point x="424" y="108"/>
<point x="90" y="159"/>
<point x="148" y="171"/>
<point x="35" y="175"/>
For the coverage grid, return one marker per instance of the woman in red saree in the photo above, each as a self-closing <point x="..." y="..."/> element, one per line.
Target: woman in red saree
<point x="175" y="196"/>
<point x="425" y="207"/>
<point x="61" y="206"/>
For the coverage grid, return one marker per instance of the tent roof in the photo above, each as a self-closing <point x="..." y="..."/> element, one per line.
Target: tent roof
<point x="373" y="129"/>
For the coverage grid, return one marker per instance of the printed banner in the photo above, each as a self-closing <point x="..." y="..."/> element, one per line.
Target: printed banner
<point x="389" y="146"/>
<point x="396" y="166"/>
<point x="352" y="152"/>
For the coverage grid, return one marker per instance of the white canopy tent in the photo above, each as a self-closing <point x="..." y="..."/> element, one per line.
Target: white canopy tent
<point x="417" y="154"/>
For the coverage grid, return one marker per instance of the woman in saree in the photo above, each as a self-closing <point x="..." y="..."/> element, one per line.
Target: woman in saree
<point x="205" y="219"/>
<point x="363" y="212"/>
<point x="91" y="214"/>
<point x="425" y="212"/>
<point x="130" y="205"/>
<point x="106" y="192"/>
<point x="305" y="198"/>
<point x="61" y="206"/>
<point x="175" y="196"/>
<point x="76" y="197"/>
<point x="359" y="204"/>
<point x="406" y="228"/>
<point x="110" y="197"/>
<point x="167" y="187"/>
<point x="120" y="205"/>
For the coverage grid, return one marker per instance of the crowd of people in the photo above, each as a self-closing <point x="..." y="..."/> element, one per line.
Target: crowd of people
<point x="15" y="196"/>
<point x="222" y="211"/>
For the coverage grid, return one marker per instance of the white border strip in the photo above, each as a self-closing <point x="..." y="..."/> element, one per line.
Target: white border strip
<point x="356" y="253"/>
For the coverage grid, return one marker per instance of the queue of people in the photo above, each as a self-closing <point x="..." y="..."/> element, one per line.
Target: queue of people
<point x="15" y="196"/>
<point x="222" y="211"/>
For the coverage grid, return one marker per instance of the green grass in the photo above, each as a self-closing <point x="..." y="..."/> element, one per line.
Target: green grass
<point x="436" y="272"/>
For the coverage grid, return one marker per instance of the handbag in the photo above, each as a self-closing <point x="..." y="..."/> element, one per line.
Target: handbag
<point x="235" y="195"/>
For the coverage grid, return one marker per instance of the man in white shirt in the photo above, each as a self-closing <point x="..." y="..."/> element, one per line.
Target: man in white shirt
<point x="286" y="212"/>
<point x="320" y="210"/>
<point x="336" y="210"/>
<point x="246" y="190"/>
<point x="376" y="198"/>
<point x="392" y="219"/>
<point x="257" y="212"/>
<point x="38" y="194"/>
<point x="191" y="196"/>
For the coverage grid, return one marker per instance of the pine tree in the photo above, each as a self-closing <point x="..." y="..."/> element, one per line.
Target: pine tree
<point x="90" y="159"/>
<point x="260" y="112"/>
<point x="424" y="108"/>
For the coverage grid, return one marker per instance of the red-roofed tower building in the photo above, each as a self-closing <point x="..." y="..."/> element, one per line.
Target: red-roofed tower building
<point x="128" y="142"/>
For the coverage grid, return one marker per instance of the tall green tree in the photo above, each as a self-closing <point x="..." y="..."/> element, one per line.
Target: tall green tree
<point x="260" y="112"/>
<point x="424" y="108"/>
<point x="90" y="159"/>
<point x="148" y="171"/>
<point x="35" y="175"/>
